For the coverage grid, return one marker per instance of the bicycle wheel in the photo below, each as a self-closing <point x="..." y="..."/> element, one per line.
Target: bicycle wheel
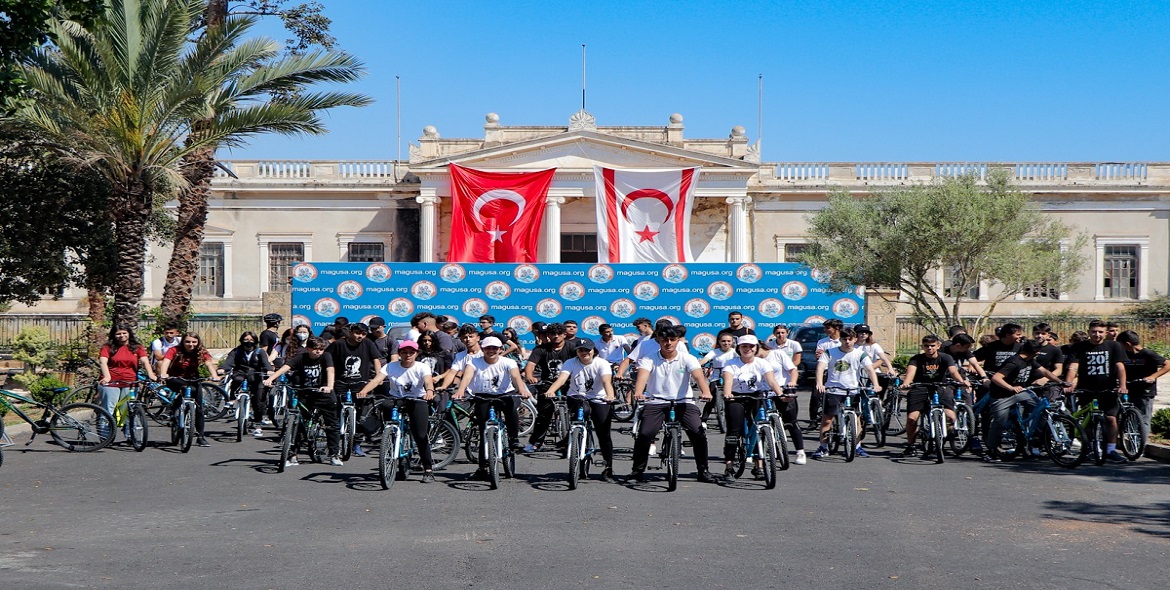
<point x="1058" y="441"/>
<point x="85" y="394"/>
<point x="877" y="422"/>
<point x="186" y="421"/>
<point x="139" y="431"/>
<point x="527" y="415"/>
<point x="672" y="455"/>
<point x="214" y="401"/>
<point x="279" y="405"/>
<point x="721" y="413"/>
<point x="491" y="436"/>
<point x="622" y="411"/>
<point x="940" y="435"/>
<point x="1097" y="441"/>
<point x="348" y="428"/>
<point x="739" y="461"/>
<point x="444" y="442"/>
<point x="1130" y="434"/>
<point x="767" y="452"/>
<point x="781" y="438"/>
<point x="964" y="423"/>
<point x="895" y="419"/>
<point x="574" y="456"/>
<point x="241" y="415"/>
<point x="471" y="444"/>
<point x="850" y="442"/>
<point x="509" y="457"/>
<point x="1013" y="444"/>
<point x="288" y="434"/>
<point x="82" y="427"/>
<point x="387" y="461"/>
<point x="315" y="441"/>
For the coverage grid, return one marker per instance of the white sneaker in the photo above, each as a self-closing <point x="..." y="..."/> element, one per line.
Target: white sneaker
<point x="292" y="462"/>
<point x="335" y="461"/>
<point x="258" y="432"/>
<point x="800" y="458"/>
<point x="653" y="449"/>
<point x="266" y="422"/>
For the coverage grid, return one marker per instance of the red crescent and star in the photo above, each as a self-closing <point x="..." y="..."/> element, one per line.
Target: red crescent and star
<point x="646" y="234"/>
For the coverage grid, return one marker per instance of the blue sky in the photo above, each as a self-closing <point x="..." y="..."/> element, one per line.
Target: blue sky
<point x="1026" y="80"/>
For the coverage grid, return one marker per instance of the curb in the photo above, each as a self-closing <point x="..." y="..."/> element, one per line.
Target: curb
<point x="1158" y="452"/>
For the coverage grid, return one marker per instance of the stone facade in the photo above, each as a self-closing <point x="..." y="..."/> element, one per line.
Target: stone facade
<point x="744" y="210"/>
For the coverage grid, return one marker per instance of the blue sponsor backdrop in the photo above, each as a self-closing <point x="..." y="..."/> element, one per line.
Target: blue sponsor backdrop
<point x="698" y="295"/>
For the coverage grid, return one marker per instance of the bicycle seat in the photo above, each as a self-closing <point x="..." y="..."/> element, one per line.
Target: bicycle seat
<point x="61" y="389"/>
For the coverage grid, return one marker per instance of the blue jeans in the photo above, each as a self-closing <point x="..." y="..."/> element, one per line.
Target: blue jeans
<point x="110" y="398"/>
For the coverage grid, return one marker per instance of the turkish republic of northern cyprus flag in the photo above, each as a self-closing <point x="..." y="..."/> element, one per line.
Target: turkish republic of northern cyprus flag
<point x="496" y="216"/>
<point x="644" y="215"/>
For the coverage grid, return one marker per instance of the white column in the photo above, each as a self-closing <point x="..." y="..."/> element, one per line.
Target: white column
<point x="1100" y="274"/>
<point x="738" y="249"/>
<point x="227" y="268"/>
<point x="552" y="229"/>
<point x="426" y="251"/>
<point x="1144" y="269"/>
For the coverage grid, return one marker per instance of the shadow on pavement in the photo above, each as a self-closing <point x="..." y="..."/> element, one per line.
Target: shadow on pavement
<point x="1151" y="519"/>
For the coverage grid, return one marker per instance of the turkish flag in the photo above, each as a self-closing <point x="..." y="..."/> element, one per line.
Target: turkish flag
<point x="496" y="216"/>
<point x="644" y="215"/>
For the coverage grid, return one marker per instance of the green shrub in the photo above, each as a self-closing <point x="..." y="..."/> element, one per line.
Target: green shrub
<point x="1155" y="308"/>
<point x="35" y="349"/>
<point x="1160" y="423"/>
<point x="901" y="362"/>
<point x="1162" y="348"/>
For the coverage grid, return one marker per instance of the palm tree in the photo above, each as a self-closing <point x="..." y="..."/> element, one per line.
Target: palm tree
<point x="123" y="96"/>
<point x="241" y="94"/>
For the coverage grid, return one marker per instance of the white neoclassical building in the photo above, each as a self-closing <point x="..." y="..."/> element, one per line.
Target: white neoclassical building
<point x="266" y="214"/>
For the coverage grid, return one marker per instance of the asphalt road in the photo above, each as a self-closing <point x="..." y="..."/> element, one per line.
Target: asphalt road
<point x="222" y="517"/>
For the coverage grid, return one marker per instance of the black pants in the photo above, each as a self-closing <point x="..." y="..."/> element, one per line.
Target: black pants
<point x="256" y="391"/>
<point x="177" y="385"/>
<point x="483" y="403"/>
<point x="737" y="411"/>
<point x="326" y="404"/>
<point x="653" y="416"/>
<point x="545" y="408"/>
<point x="815" y="403"/>
<point x="418" y="412"/>
<point x="789" y="412"/>
<point x="601" y="415"/>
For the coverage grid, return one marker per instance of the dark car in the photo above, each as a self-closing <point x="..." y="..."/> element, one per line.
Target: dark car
<point x="807" y="335"/>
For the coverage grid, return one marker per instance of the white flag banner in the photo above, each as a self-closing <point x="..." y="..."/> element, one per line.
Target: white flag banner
<point x="644" y="215"/>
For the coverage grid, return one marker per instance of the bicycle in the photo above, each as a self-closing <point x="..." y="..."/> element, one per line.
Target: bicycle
<point x="892" y="405"/>
<point x="623" y="408"/>
<point x="1092" y="422"/>
<point x="182" y="417"/>
<point x="965" y="423"/>
<point x="243" y="410"/>
<point x="1131" y="435"/>
<point x="761" y="439"/>
<point x="843" y="430"/>
<point x="1048" y="427"/>
<point x="780" y="429"/>
<point x="77" y="426"/>
<point x="301" y="429"/>
<point x="281" y="391"/>
<point x="873" y="417"/>
<point x="396" y="452"/>
<point x="934" y="427"/>
<point x="131" y="414"/>
<point x="581" y="447"/>
<point x="348" y="424"/>
<point x="720" y="409"/>
<point x="671" y="443"/>
<point x="495" y="440"/>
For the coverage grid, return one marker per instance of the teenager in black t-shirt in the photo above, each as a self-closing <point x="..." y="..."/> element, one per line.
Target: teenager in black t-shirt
<point x="313" y="368"/>
<point x="928" y="370"/>
<point x="1008" y="385"/>
<point x="1142" y="367"/>
<point x="544" y="364"/>
<point x="1095" y="367"/>
<point x="355" y="358"/>
<point x="736" y="326"/>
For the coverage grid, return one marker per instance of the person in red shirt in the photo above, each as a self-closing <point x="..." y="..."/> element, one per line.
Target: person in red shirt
<point x="183" y="362"/>
<point x="119" y="360"/>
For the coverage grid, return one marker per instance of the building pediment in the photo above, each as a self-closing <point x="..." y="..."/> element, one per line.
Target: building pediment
<point x="578" y="151"/>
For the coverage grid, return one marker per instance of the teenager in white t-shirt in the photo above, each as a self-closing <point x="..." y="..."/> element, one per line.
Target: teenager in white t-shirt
<point x="590" y="381"/>
<point x="493" y="376"/>
<point x="469" y="336"/>
<point x="714" y="360"/>
<point x="410" y="388"/>
<point x="665" y="377"/>
<point x="610" y="347"/>
<point x="746" y="379"/>
<point x="839" y="374"/>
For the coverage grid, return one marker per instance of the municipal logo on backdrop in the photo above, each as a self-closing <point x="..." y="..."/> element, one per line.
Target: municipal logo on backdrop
<point x="697" y="308"/>
<point x="820" y="275"/>
<point x="703" y="342"/>
<point x="304" y="272"/>
<point x="452" y="273"/>
<point x="646" y="290"/>
<point x="349" y="290"/>
<point x="794" y="290"/>
<point x="673" y="320"/>
<point x="845" y="308"/>
<point x="549" y="308"/>
<point x="300" y="320"/>
<point x="815" y="319"/>
<point x="378" y="272"/>
<point x="522" y="324"/>
<point x="591" y="325"/>
<point x="423" y="290"/>
<point x="526" y="273"/>
<point x="475" y="307"/>
<point x="572" y="291"/>
<point x="497" y="290"/>
<point x="600" y="273"/>
<point x="748" y="273"/>
<point x="860" y="290"/>
<point x="749" y="322"/>
<point x="674" y="273"/>
<point x="622" y="308"/>
<point x="771" y="308"/>
<point x="720" y="290"/>
<point x="400" y="307"/>
<point x="327" y="307"/>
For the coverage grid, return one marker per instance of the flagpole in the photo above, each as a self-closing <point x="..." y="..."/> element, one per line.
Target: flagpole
<point x="398" y="99"/>
<point x="582" y="76"/>
<point x="760" y="115"/>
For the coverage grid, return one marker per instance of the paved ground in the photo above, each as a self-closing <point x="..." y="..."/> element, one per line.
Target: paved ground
<point x="222" y="517"/>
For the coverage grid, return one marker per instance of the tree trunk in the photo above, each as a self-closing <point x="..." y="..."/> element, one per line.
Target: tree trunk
<point x="130" y="237"/>
<point x="183" y="268"/>
<point x="95" y="336"/>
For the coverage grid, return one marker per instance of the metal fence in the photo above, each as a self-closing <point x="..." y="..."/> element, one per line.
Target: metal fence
<point x="217" y="331"/>
<point x="910" y="334"/>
